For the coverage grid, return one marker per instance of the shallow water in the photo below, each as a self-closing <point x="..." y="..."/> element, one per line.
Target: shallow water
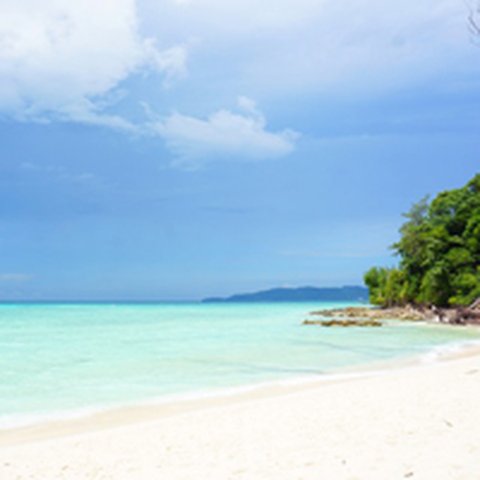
<point x="64" y="357"/>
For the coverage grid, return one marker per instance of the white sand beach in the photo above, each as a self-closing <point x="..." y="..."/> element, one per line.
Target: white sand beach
<point x="420" y="422"/>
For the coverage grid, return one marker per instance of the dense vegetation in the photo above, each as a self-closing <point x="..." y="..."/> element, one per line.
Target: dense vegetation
<point x="439" y="253"/>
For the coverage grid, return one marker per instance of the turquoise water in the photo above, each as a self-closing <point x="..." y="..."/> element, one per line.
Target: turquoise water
<point x="67" y="357"/>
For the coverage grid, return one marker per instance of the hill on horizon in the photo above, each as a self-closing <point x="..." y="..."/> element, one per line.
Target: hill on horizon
<point x="299" y="294"/>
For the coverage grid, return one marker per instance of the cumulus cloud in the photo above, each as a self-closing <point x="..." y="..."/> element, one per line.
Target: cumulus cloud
<point x="65" y="60"/>
<point x="224" y="135"/>
<point x="58" y="58"/>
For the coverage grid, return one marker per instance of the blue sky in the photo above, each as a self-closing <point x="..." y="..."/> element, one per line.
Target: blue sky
<point x="180" y="149"/>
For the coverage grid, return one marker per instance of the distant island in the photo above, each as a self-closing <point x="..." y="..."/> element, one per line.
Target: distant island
<point x="301" y="294"/>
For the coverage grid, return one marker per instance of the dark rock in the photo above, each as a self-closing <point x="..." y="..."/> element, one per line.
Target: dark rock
<point x="458" y="316"/>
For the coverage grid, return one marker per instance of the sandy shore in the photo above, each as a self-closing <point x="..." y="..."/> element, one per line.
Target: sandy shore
<point x="420" y="422"/>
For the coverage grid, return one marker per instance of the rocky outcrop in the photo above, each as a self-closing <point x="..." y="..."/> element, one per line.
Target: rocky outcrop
<point x="362" y="313"/>
<point x="458" y="316"/>
<point x="344" y="323"/>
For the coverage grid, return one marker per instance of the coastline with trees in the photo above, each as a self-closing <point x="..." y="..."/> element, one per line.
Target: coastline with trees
<point x="438" y="273"/>
<point x="439" y="251"/>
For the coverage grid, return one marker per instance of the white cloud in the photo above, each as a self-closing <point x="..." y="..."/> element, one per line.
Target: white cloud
<point x="224" y="135"/>
<point x="66" y="60"/>
<point x="322" y="46"/>
<point x="59" y="57"/>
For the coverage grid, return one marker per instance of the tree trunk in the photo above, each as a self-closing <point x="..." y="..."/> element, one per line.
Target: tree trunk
<point x="476" y="304"/>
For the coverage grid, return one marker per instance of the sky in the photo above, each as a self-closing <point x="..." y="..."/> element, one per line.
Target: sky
<point x="177" y="149"/>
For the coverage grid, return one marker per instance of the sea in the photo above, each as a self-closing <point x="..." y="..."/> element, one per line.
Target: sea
<point x="59" y="360"/>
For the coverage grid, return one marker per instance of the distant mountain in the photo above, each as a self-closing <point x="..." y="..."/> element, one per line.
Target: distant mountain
<point x="302" y="294"/>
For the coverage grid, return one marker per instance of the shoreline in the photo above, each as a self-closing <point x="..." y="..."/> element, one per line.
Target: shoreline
<point x="316" y="371"/>
<point x="63" y="424"/>
<point x="415" y="420"/>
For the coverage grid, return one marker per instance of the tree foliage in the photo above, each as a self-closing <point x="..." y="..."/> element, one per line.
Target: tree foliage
<point x="439" y="251"/>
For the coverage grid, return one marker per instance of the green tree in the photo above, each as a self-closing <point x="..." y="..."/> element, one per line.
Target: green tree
<point x="439" y="250"/>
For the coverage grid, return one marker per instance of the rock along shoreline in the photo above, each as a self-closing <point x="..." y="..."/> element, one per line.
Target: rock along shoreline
<point x="374" y="316"/>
